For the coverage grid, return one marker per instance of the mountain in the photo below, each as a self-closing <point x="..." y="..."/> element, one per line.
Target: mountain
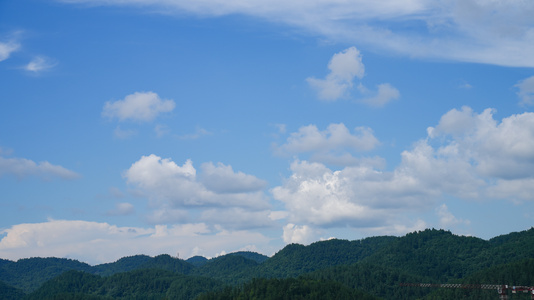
<point x="197" y="261"/>
<point x="519" y="273"/>
<point x="289" y="288"/>
<point x="433" y="253"/>
<point x="441" y="255"/>
<point x="367" y="268"/>
<point x="295" y="259"/>
<point x="124" y="264"/>
<point x="383" y="282"/>
<point x="231" y="269"/>
<point x="137" y="284"/>
<point x="167" y="262"/>
<point x="259" y="258"/>
<point x="10" y="293"/>
<point x="28" y="274"/>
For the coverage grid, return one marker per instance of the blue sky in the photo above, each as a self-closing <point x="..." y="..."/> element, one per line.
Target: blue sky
<point x="206" y="127"/>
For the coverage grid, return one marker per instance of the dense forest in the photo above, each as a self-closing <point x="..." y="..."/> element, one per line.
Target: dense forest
<point x="371" y="268"/>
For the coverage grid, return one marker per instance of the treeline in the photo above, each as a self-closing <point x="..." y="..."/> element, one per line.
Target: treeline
<point x="139" y="284"/>
<point x="288" y="289"/>
<point x="336" y="269"/>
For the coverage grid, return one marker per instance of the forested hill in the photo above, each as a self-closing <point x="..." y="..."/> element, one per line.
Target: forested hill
<point x="367" y="269"/>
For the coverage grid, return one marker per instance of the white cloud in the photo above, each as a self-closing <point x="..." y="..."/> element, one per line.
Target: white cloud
<point x="223" y="179"/>
<point x="526" y="91"/>
<point x="298" y="234"/>
<point x="310" y="139"/>
<point x="494" y="32"/>
<point x="172" y="188"/>
<point x="40" y="64"/>
<point x="499" y="150"/>
<point x="385" y="94"/>
<point x="139" y="106"/>
<point x="237" y="218"/>
<point x="517" y="190"/>
<point x="447" y="219"/>
<point x="343" y="66"/>
<point x="169" y="216"/>
<point x="359" y="197"/>
<point x="95" y="242"/>
<point x="6" y="48"/>
<point x="468" y="156"/>
<point x="333" y="145"/>
<point x="278" y="215"/>
<point x="397" y="228"/>
<point x="21" y="168"/>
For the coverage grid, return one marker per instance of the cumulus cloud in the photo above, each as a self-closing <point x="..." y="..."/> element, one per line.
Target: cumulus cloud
<point x="95" y="242"/>
<point x="468" y="156"/>
<point x="344" y="67"/>
<point x="494" y="32"/>
<point x="139" y="106"/>
<point x="298" y="234"/>
<point x="360" y="197"/>
<point x="332" y="145"/>
<point x="526" y="91"/>
<point x="222" y="179"/>
<point x="397" y="228"/>
<point x="472" y="156"/>
<point x="176" y="188"/>
<point x="40" y="64"/>
<point x="447" y="219"/>
<point x="499" y="150"/>
<point x="22" y="168"/>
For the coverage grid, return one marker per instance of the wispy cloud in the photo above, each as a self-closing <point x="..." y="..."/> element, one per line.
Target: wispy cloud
<point x="526" y="91"/>
<point x="21" y="168"/>
<point x="199" y="132"/>
<point x="447" y="219"/>
<point x="123" y="133"/>
<point x="40" y="64"/>
<point x="492" y="32"/>
<point x="6" y="48"/>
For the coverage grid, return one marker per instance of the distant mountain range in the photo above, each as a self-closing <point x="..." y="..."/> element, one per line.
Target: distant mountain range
<point x="370" y="268"/>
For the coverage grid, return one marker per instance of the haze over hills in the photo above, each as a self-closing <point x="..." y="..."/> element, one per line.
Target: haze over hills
<point x="368" y="269"/>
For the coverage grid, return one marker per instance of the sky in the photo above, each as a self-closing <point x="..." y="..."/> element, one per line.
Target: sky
<point x="208" y="127"/>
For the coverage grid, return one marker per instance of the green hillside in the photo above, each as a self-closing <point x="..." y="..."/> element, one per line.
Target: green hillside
<point x="10" y="293"/>
<point x="370" y="268"/>
<point x="124" y="264"/>
<point x="28" y="274"/>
